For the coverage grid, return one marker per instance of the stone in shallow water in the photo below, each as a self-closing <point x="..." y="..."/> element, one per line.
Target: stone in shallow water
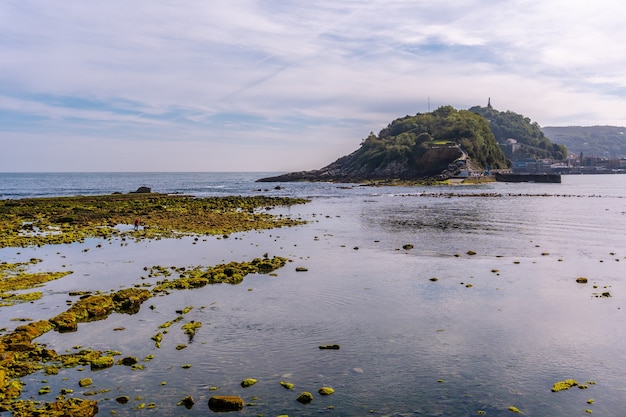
<point x="248" y="382"/>
<point x="305" y="397"/>
<point x="563" y="385"/>
<point x="220" y="403"/>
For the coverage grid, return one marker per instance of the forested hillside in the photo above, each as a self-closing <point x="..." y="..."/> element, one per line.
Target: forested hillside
<point x="531" y="141"/>
<point x="602" y="141"/>
<point x="411" y="135"/>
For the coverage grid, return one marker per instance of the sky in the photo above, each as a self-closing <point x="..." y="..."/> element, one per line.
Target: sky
<point x="285" y="85"/>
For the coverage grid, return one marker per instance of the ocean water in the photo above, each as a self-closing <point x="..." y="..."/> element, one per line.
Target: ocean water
<point x="495" y="329"/>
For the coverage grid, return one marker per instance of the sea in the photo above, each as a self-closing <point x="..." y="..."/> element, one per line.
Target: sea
<point x="456" y="300"/>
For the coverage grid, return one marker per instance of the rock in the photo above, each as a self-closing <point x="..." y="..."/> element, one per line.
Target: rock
<point x="305" y="397"/>
<point x="102" y="362"/>
<point x="563" y="385"/>
<point x="221" y="403"/>
<point x="581" y="280"/>
<point x="190" y="328"/>
<point x="128" y="361"/>
<point x="129" y="300"/>
<point x="248" y="382"/>
<point x="85" y="382"/>
<point x="75" y="407"/>
<point x="143" y="190"/>
<point x="407" y="246"/>
<point x="123" y="399"/>
<point x="326" y="391"/>
<point x="286" y="385"/>
<point x="333" y="347"/>
<point x="188" y="402"/>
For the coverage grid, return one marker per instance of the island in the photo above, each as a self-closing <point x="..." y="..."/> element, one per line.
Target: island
<point x="436" y="146"/>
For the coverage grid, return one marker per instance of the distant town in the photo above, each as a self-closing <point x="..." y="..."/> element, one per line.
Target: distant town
<point x="573" y="164"/>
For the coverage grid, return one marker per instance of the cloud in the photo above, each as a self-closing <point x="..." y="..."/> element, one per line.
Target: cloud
<point x="276" y="79"/>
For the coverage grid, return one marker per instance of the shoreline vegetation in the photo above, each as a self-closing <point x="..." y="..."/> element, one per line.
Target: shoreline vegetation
<point x="68" y="220"/>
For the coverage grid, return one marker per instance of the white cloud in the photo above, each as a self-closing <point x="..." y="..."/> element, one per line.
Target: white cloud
<point x="270" y="76"/>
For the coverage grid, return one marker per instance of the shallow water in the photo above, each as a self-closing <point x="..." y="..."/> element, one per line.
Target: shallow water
<point x="496" y="329"/>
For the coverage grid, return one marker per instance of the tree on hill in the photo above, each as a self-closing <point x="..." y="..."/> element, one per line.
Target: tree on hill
<point x="444" y="126"/>
<point x="531" y="142"/>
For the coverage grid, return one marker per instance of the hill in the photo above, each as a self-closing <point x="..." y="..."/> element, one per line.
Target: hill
<point x="519" y="137"/>
<point x="600" y="141"/>
<point x="427" y="145"/>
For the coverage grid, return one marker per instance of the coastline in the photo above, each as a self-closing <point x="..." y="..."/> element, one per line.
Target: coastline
<point x="492" y="248"/>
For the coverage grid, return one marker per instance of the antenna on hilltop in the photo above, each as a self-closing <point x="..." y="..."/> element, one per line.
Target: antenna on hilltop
<point x="489" y="103"/>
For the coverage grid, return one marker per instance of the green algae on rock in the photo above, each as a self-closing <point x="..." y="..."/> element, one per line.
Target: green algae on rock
<point x="305" y="397"/>
<point x="61" y="220"/>
<point x="74" y="407"/>
<point x="231" y="273"/>
<point x="563" y="385"/>
<point x="21" y="357"/>
<point x="14" y="277"/>
<point x="102" y="362"/>
<point x="286" y="385"/>
<point x="85" y="382"/>
<point x="248" y="382"/>
<point x="190" y="328"/>
<point x="326" y="391"/>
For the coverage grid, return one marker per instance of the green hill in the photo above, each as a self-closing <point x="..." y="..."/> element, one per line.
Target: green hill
<point x="415" y="147"/>
<point x="601" y="141"/>
<point x="530" y="141"/>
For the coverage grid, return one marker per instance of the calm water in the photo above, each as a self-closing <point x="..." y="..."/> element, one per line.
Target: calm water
<point x="496" y="329"/>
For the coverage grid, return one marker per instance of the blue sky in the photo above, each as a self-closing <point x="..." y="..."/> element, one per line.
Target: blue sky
<point x="285" y="85"/>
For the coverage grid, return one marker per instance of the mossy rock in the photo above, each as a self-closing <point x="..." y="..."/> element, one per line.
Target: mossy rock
<point x="223" y="403"/>
<point x="190" y="328"/>
<point x="248" y="382"/>
<point x="286" y="385"/>
<point x="305" y="398"/>
<point x="129" y="300"/>
<point x="85" y="382"/>
<point x="563" y="385"/>
<point x="326" y="391"/>
<point x="102" y="362"/>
